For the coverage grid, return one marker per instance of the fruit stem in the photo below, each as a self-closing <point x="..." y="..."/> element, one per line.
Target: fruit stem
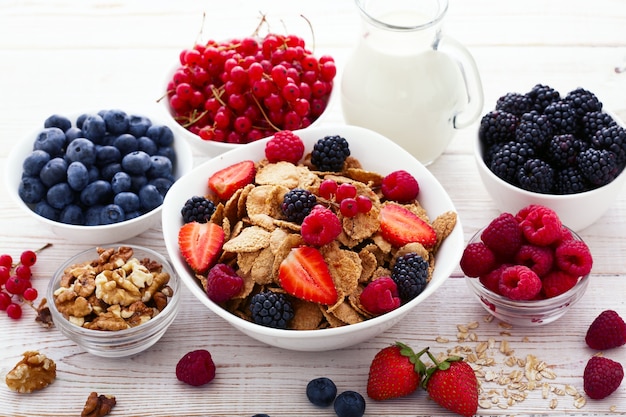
<point x="256" y="101"/>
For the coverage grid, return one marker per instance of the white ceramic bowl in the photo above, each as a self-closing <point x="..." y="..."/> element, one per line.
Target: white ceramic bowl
<point x="101" y="234"/>
<point x="376" y="153"/>
<point x="577" y="211"/>
<point x="120" y="343"/>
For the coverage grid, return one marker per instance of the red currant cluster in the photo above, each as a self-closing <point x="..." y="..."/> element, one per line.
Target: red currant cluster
<point x="15" y="284"/>
<point x="242" y="90"/>
<point x="345" y="194"/>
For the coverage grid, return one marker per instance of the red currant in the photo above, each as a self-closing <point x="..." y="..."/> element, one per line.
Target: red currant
<point x="14" y="311"/>
<point x="23" y="271"/>
<point x="28" y="258"/>
<point x="363" y="203"/>
<point x="345" y="190"/>
<point x="349" y="207"/>
<point x="30" y="294"/>
<point x="6" y="260"/>
<point x="5" y="273"/>
<point x="16" y="285"/>
<point x="5" y="300"/>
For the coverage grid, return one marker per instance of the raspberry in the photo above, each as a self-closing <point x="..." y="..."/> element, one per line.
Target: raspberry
<point x="573" y="257"/>
<point x="223" y="283"/>
<point x="537" y="258"/>
<point x="477" y="260"/>
<point x="320" y="227"/>
<point x="602" y="376"/>
<point x="503" y="236"/>
<point x="491" y="280"/>
<point x="607" y="331"/>
<point x="519" y="282"/>
<point x="557" y="283"/>
<point x="541" y="226"/>
<point x="380" y="296"/>
<point x="284" y="146"/>
<point x="410" y="273"/>
<point x="400" y="186"/>
<point x="196" y="368"/>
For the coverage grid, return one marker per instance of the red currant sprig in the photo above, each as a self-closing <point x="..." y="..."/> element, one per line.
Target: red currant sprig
<point x="346" y="196"/>
<point x="15" y="282"/>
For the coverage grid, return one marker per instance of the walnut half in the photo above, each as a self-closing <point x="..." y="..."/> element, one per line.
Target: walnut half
<point x="34" y="372"/>
<point x="98" y="405"/>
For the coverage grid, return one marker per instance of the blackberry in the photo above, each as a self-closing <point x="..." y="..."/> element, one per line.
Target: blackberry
<point x="271" y="309"/>
<point x="583" y="101"/>
<point x="612" y="138"/>
<point x="598" y="166"/>
<point x="570" y="181"/>
<point x="593" y="121"/>
<point x="330" y="153"/>
<point x="542" y="96"/>
<point x="197" y="209"/>
<point x="514" y="103"/>
<point x="535" y="129"/>
<point x="297" y="204"/>
<point x="562" y="150"/>
<point x="562" y="117"/>
<point x="536" y="176"/>
<point x="410" y="273"/>
<point x="509" y="158"/>
<point x="497" y="127"/>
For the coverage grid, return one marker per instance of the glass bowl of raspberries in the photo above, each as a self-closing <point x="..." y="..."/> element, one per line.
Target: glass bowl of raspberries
<point x="564" y="151"/>
<point x="225" y="93"/>
<point x="114" y="301"/>
<point x="527" y="268"/>
<point x="96" y="177"/>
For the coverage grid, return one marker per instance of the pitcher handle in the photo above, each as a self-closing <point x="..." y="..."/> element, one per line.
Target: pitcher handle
<point x="471" y="79"/>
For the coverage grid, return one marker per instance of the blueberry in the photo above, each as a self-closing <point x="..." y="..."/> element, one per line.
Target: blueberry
<point x="82" y="150"/>
<point x="116" y="121"/>
<point x="97" y="192"/>
<point x="126" y="143"/>
<point x="162" y="184"/>
<point x="138" y="125"/>
<point x="150" y="197"/>
<point x="92" y="215"/>
<point x="46" y="210"/>
<point x="160" y="166"/>
<point x="128" y="201"/>
<point x="94" y="128"/>
<point x="111" y="213"/>
<point x="168" y="152"/>
<point x="107" y="154"/>
<point x="147" y="145"/>
<point x="72" y="214"/>
<point x="53" y="172"/>
<point x="31" y="190"/>
<point x="34" y="162"/>
<point x="73" y="133"/>
<point x="94" y="173"/>
<point x="321" y="391"/>
<point x="107" y="172"/>
<point x="59" y="121"/>
<point x="81" y="119"/>
<point x="349" y="404"/>
<point x="77" y="176"/>
<point x="51" y="140"/>
<point x="137" y="182"/>
<point x="60" y="195"/>
<point x="137" y="162"/>
<point x="161" y="135"/>
<point x="121" y="182"/>
<point x="261" y="415"/>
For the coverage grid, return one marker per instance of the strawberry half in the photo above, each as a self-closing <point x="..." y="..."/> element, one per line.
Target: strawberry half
<point x="305" y="275"/>
<point x="400" y="226"/>
<point x="200" y="244"/>
<point x="226" y="181"/>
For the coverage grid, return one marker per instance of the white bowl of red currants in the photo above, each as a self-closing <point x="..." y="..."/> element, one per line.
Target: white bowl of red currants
<point x="227" y="93"/>
<point x="565" y="152"/>
<point x="527" y="268"/>
<point x="238" y="235"/>
<point x="99" y="176"/>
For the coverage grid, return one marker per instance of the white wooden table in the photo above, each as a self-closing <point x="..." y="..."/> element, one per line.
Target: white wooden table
<point x="72" y="55"/>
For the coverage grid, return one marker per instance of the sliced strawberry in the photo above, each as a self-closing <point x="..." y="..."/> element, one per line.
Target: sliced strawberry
<point x="305" y="275"/>
<point x="200" y="244"/>
<point x="400" y="226"/>
<point x="225" y="182"/>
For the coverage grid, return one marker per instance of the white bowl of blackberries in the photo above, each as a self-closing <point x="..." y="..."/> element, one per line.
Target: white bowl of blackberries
<point x="563" y="151"/>
<point x="96" y="177"/>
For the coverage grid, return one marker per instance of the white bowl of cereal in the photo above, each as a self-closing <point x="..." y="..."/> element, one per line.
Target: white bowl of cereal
<point x="360" y="253"/>
<point x="114" y="301"/>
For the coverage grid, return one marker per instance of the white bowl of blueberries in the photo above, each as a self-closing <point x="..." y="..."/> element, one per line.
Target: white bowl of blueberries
<point x="97" y="177"/>
<point x="562" y="151"/>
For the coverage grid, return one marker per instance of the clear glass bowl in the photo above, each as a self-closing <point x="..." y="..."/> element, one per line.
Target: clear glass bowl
<point x="526" y="313"/>
<point x="120" y="343"/>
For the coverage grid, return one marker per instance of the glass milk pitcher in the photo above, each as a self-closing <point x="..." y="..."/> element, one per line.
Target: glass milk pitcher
<point x="408" y="81"/>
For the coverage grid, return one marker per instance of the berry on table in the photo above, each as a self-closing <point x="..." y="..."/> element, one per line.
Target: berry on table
<point x="607" y="331"/>
<point x="196" y="368"/>
<point x="601" y="377"/>
<point x="14" y="311"/>
<point x="349" y="404"/>
<point x="321" y="391"/>
<point x="395" y="372"/>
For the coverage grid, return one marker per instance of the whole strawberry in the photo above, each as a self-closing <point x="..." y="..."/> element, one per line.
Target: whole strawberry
<point x="607" y="331"/>
<point x="395" y="372"/>
<point x="453" y="385"/>
<point x="602" y="377"/>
